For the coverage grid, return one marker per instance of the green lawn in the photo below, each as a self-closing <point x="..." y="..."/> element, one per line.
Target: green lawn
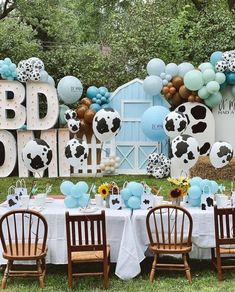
<point x="204" y="278"/>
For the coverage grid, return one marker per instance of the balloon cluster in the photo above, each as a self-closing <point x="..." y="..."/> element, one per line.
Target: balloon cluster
<point x="85" y="115"/>
<point x="31" y="69"/>
<point x="76" y="195"/>
<point x="198" y="186"/>
<point x="110" y="164"/>
<point x="207" y="84"/>
<point x="158" y="165"/>
<point x="131" y="195"/>
<point x="100" y="97"/>
<point x="73" y="124"/>
<point x="7" y="69"/>
<point x="69" y="89"/>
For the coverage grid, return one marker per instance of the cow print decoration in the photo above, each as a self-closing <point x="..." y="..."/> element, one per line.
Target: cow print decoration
<point x="201" y="125"/>
<point x="76" y="152"/>
<point x="115" y="202"/>
<point x="69" y="114"/>
<point x="13" y="201"/>
<point x="73" y="125"/>
<point x="158" y="165"/>
<point x="175" y="124"/>
<point x="221" y="154"/>
<point x="185" y="150"/>
<point x="36" y="155"/>
<point x="106" y="124"/>
<point x="30" y="69"/>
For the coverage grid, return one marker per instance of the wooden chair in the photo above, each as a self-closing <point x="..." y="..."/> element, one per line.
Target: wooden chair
<point x="86" y="242"/>
<point x="169" y="229"/>
<point x="224" y="219"/>
<point x="23" y="235"/>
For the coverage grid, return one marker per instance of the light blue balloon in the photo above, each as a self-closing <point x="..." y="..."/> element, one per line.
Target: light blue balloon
<point x="208" y="75"/>
<point x="205" y="66"/>
<point x="44" y="75"/>
<point x="212" y="87"/>
<point x="98" y="96"/>
<point x="230" y="78"/>
<point x="70" y="202"/>
<point x="215" y="57"/>
<point x="214" y="187"/>
<point x="206" y="186"/>
<point x="155" y="67"/>
<point x="196" y="181"/>
<point x="134" y="202"/>
<point x="194" y="192"/>
<point x="107" y="95"/>
<point x="51" y="81"/>
<point x="103" y="90"/>
<point x="70" y="89"/>
<point x="184" y="68"/>
<point x="152" y="85"/>
<point x="75" y="192"/>
<point x="95" y="106"/>
<point x="66" y="187"/>
<point x="83" y="186"/>
<point x="172" y="69"/>
<point x="152" y="122"/>
<point x="193" y="80"/>
<point x="203" y="93"/>
<point x="92" y="91"/>
<point x="7" y="61"/>
<point x="137" y="189"/>
<point x="83" y="201"/>
<point x="94" y="100"/>
<point x="98" y="101"/>
<point x="194" y="202"/>
<point x="220" y="77"/>
<point x="105" y="106"/>
<point x="62" y="108"/>
<point x="213" y="100"/>
<point x="103" y="99"/>
<point x="126" y="194"/>
<point x="12" y="67"/>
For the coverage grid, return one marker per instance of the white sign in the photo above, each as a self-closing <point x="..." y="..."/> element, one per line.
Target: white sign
<point x="224" y="115"/>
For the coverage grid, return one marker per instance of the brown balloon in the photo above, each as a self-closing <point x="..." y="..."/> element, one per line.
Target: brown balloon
<point x="198" y="99"/>
<point x="176" y="99"/>
<point x="89" y="115"/>
<point x="177" y="82"/>
<point x="169" y="84"/>
<point x="191" y="98"/>
<point x="172" y="90"/>
<point x="86" y="101"/>
<point x="168" y="95"/>
<point x="165" y="90"/>
<point x="85" y="127"/>
<point x="81" y="111"/>
<point x="184" y="92"/>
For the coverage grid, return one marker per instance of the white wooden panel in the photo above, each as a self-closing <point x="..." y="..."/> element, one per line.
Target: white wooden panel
<point x="63" y="138"/>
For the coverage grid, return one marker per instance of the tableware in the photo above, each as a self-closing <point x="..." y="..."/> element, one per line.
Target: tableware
<point x="158" y="200"/>
<point x="222" y="201"/>
<point x="99" y="200"/>
<point x="49" y="200"/>
<point x="88" y="210"/>
<point x="40" y="200"/>
<point x="24" y="201"/>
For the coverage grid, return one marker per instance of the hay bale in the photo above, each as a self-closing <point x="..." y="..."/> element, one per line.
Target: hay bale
<point x="204" y="169"/>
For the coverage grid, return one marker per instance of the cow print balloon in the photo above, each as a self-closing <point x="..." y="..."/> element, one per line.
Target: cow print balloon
<point x="185" y="150"/>
<point x="201" y="124"/>
<point x="227" y="56"/>
<point x="106" y="124"/>
<point x="221" y="154"/>
<point x="70" y="114"/>
<point x="175" y="124"/>
<point x="221" y="66"/>
<point x="76" y="151"/>
<point x="73" y="125"/>
<point x="36" y="155"/>
<point x="231" y="65"/>
<point x="158" y="165"/>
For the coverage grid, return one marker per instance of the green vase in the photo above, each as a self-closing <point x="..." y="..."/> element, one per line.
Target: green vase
<point x="107" y="202"/>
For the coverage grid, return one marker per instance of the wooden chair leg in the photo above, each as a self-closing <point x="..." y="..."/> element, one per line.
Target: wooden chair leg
<point x="5" y="275"/>
<point x="106" y="276"/>
<point x="218" y="266"/>
<point x="40" y="274"/>
<point x="152" y="273"/>
<point x="213" y="259"/>
<point x="187" y="269"/>
<point x="70" y="276"/>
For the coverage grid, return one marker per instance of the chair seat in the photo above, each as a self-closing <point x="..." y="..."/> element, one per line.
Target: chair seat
<point x="96" y="255"/>
<point x="170" y="248"/>
<point x="27" y="255"/>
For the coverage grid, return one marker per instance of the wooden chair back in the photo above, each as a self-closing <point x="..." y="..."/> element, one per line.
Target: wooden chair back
<point x="224" y="219"/>
<point x="169" y="227"/>
<point x="22" y="231"/>
<point x="86" y="232"/>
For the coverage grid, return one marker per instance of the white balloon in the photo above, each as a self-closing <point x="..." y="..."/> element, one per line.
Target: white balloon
<point x="73" y="125"/>
<point x="155" y="67"/>
<point x="175" y="123"/>
<point x="221" y="154"/>
<point x="112" y="169"/>
<point x="117" y="159"/>
<point x="76" y="151"/>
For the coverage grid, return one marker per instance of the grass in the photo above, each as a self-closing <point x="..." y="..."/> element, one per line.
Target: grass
<point x="204" y="278"/>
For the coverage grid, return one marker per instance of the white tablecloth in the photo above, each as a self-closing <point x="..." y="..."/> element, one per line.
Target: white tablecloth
<point x="126" y="235"/>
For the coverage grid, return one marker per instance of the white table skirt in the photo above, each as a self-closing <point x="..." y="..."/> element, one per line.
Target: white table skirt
<point x="126" y="235"/>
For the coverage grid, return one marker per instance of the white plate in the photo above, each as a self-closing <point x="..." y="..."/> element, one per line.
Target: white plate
<point x="88" y="210"/>
<point x="49" y="200"/>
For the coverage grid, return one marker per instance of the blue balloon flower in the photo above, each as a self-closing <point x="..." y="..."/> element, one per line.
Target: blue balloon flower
<point x="126" y="194"/>
<point x="70" y="202"/>
<point x="194" y="192"/>
<point x="83" y="201"/>
<point x="83" y="186"/>
<point x="66" y="187"/>
<point x="135" y="188"/>
<point x="195" y="181"/>
<point x="134" y="202"/>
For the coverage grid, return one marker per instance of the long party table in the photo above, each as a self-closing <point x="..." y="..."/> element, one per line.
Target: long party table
<point x="126" y="235"/>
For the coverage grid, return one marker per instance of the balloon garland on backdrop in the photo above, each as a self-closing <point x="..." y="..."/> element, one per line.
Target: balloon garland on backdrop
<point x="8" y="69"/>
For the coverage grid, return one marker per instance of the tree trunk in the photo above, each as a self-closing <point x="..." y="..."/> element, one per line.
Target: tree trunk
<point x="231" y="4"/>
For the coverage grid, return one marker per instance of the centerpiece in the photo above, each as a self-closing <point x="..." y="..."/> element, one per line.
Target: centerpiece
<point x="180" y="189"/>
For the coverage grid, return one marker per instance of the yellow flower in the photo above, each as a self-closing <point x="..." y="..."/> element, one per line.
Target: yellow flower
<point x="181" y="183"/>
<point x="103" y="190"/>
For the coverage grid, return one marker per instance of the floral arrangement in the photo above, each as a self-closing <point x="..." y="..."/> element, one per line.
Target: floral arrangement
<point x="106" y="189"/>
<point x="180" y="187"/>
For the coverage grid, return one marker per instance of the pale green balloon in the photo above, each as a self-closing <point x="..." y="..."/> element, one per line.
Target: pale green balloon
<point x="203" y="93"/>
<point x="208" y="75"/>
<point x="233" y="91"/>
<point x="220" y="77"/>
<point x="213" y="87"/>
<point x="193" y="80"/>
<point x="213" y="100"/>
<point x="205" y="66"/>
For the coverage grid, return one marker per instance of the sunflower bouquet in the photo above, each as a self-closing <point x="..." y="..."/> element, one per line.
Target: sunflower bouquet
<point x="107" y="189"/>
<point x="180" y="187"/>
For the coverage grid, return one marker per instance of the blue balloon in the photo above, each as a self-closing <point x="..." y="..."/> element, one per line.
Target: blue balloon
<point x="126" y="194"/>
<point x="134" y="202"/>
<point x="95" y="106"/>
<point x="152" y="122"/>
<point x="214" y="187"/>
<point x="195" y="181"/>
<point x="194" y="192"/>
<point x="107" y="95"/>
<point x="63" y="109"/>
<point x="103" y="90"/>
<point x="83" y="186"/>
<point x="83" y="201"/>
<point x="75" y="191"/>
<point x="94" y="100"/>
<point x="206" y="186"/>
<point x="106" y="105"/>
<point x="51" y="81"/>
<point x="135" y="188"/>
<point x="66" y="187"/>
<point x="194" y="202"/>
<point x="92" y="91"/>
<point x="98" y="96"/>
<point x="43" y="75"/>
<point x="230" y="78"/>
<point x="103" y="99"/>
<point x="98" y="101"/>
<point x="152" y="85"/>
<point x="215" y="57"/>
<point x="70" y="202"/>
<point x="70" y="89"/>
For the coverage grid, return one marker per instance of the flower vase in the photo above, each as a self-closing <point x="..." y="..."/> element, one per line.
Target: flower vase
<point x="176" y="202"/>
<point x="107" y="202"/>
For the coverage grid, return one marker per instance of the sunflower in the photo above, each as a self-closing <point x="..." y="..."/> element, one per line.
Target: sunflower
<point x="104" y="189"/>
<point x="176" y="193"/>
